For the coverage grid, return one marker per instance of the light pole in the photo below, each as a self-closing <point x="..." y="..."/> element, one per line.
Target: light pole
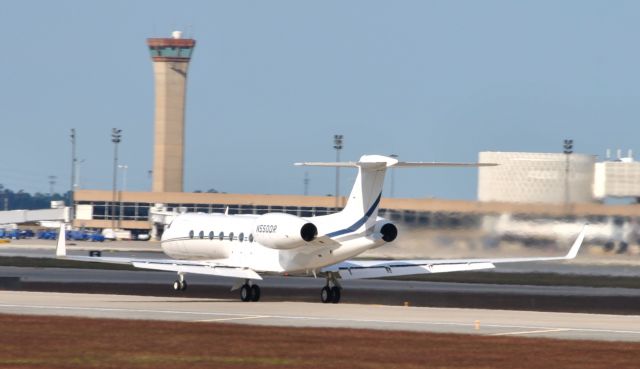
<point x="568" y="150"/>
<point x="73" y="168"/>
<point x="116" y="137"/>
<point x="124" y="168"/>
<point x="306" y="183"/>
<point x="393" y="177"/>
<point x="52" y="182"/>
<point x="337" y="144"/>
<point x="76" y="182"/>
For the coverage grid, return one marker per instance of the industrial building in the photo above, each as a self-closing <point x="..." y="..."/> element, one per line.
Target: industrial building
<point x="525" y="177"/>
<point x="556" y="178"/>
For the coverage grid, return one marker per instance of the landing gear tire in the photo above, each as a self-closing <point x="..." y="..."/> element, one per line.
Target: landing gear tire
<point x="326" y="295"/>
<point x="245" y="293"/>
<point x="335" y="294"/>
<point x="255" y="293"/>
<point x="179" y="285"/>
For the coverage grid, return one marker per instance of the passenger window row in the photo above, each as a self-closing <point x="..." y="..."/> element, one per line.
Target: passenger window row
<point x="240" y="237"/>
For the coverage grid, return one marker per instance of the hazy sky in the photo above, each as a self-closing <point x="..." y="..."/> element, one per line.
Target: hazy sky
<point x="272" y="81"/>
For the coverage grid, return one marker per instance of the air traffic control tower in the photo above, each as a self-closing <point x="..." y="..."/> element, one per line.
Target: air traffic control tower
<point x="171" y="58"/>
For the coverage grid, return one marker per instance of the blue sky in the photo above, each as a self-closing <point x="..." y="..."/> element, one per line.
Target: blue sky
<point x="272" y="81"/>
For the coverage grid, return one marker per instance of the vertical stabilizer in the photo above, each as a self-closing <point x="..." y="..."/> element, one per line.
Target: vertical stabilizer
<point x="364" y="200"/>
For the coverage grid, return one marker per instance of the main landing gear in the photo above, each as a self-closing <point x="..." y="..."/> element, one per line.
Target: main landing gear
<point x="249" y="292"/>
<point x="180" y="284"/>
<point x="332" y="291"/>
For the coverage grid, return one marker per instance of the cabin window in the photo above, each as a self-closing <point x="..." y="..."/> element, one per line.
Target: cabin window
<point x="211" y="235"/>
<point x="221" y="236"/>
<point x="201" y="235"/>
<point x="250" y="237"/>
<point x="190" y="234"/>
<point x="231" y="236"/>
<point x="241" y="237"/>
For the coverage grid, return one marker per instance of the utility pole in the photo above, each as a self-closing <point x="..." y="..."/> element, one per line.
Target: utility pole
<point x="337" y="144"/>
<point x="568" y="150"/>
<point x="116" y="137"/>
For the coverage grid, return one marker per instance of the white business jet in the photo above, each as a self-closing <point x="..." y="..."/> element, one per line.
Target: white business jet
<point x="245" y="246"/>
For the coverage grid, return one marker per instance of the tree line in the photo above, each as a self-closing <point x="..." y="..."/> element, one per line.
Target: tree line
<point x="14" y="200"/>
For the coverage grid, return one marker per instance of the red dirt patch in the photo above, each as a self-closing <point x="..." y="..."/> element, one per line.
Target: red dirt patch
<point x="61" y="342"/>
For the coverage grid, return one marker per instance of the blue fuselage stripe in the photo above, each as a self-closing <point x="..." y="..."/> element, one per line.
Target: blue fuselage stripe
<point x="354" y="227"/>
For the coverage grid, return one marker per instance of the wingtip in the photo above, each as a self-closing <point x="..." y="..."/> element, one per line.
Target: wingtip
<point x="573" y="252"/>
<point x="61" y="246"/>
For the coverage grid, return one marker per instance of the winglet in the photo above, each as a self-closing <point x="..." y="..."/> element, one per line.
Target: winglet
<point x="578" y="242"/>
<point x="61" y="247"/>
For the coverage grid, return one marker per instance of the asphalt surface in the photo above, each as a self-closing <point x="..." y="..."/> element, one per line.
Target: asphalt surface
<point x="307" y="289"/>
<point x="301" y="314"/>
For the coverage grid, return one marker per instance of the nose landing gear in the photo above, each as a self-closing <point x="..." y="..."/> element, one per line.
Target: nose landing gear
<point x="180" y="284"/>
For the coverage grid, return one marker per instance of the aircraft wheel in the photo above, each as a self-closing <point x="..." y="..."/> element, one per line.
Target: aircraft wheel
<point x="176" y="285"/>
<point x="255" y="292"/>
<point x="335" y="294"/>
<point x="325" y="295"/>
<point x="183" y="286"/>
<point x="245" y="293"/>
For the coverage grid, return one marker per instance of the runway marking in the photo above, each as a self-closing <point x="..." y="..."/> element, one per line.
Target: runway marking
<point x="238" y="318"/>
<point x="532" y="332"/>
<point x="310" y="318"/>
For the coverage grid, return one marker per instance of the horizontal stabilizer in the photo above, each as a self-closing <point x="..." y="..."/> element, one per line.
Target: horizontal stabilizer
<point x="389" y="162"/>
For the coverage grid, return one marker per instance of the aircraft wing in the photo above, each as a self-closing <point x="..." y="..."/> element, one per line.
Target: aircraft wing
<point x="209" y="267"/>
<point x="360" y="269"/>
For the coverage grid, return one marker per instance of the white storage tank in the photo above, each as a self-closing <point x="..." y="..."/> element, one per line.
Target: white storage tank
<point x="527" y="177"/>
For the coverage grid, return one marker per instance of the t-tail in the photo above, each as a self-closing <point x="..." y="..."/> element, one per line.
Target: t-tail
<point x="363" y="203"/>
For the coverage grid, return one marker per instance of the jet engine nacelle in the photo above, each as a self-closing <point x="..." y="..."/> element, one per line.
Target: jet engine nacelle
<point x="388" y="230"/>
<point x="283" y="231"/>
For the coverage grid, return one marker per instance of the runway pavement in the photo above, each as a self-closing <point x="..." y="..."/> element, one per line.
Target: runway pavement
<point x="304" y="289"/>
<point x="300" y="314"/>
